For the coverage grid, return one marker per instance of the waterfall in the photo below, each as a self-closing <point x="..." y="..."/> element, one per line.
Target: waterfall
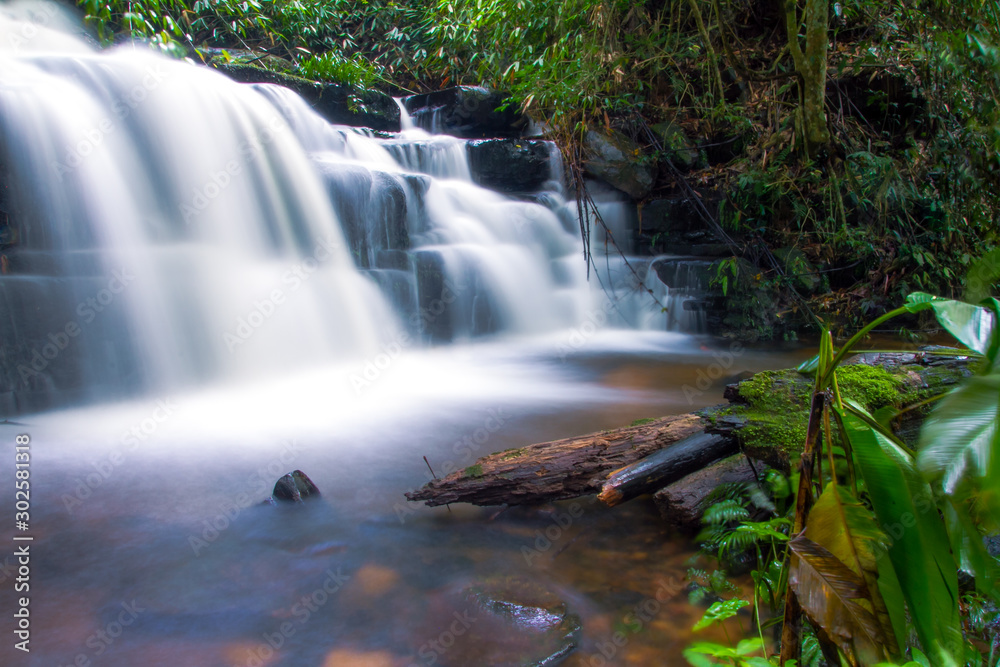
<point x="162" y="226"/>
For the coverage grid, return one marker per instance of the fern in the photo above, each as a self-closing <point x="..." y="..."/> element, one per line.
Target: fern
<point x="724" y="512"/>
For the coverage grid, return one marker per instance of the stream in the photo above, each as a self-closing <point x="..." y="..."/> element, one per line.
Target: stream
<point x="206" y="286"/>
<point x="170" y="521"/>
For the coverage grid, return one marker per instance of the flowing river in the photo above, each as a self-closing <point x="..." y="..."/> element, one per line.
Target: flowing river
<point x="206" y="286"/>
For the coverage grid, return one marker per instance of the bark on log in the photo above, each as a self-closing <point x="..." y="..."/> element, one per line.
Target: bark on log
<point x="556" y="470"/>
<point x="579" y="466"/>
<point x="682" y="503"/>
<point x="665" y="466"/>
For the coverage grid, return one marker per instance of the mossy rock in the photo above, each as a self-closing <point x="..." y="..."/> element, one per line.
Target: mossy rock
<point x="338" y="103"/>
<point x="772" y="407"/>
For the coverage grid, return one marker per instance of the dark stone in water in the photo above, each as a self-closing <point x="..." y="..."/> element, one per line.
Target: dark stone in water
<point x="338" y="103"/>
<point x="295" y="487"/>
<point x="467" y="112"/>
<point x="673" y="226"/>
<point x="527" y="625"/>
<point x="510" y="165"/>
<point x="614" y="159"/>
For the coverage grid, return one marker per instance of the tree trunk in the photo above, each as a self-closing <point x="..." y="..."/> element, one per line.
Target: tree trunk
<point x="666" y="466"/>
<point x="555" y="470"/>
<point x="810" y="65"/>
<point x="581" y="465"/>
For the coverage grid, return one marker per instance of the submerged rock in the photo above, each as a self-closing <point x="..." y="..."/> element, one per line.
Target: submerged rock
<point x="522" y="624"/>
<point x="295" y="487"/>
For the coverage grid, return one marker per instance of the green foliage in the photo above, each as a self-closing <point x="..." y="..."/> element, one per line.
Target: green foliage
<point x="720" y="611"/>
<point x="874" y="558"/>
<point x="332" y="66"/>
<point x="708" y="654"/>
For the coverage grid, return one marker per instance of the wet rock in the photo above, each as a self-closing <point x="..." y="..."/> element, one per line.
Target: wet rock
<point x="338" y="103"/>
<point x="992" y="543"/>
<point x="799" y="269"/>
<point x="510" y="165"/>
<point x="467" y="112"/>
<point x="371" y="207"/>
<point x="521" y="624"/>
<point x="673" y="226"/>
<point x="295" y="487"/>
<point x="678" y="147"/>
<point x="615" y="159"/>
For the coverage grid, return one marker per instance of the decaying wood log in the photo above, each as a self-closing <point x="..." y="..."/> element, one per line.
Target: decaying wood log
<point x="555" y="470"/>
<point x="580" y="465"/>
<point x="682" y="503"/>
<point x="665" y="466"/>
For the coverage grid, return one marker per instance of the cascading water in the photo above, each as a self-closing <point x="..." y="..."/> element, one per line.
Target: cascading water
<point x="195" y="229"/>
<point x="250" y="279"/>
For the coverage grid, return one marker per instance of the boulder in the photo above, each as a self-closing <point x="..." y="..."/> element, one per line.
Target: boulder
<point x="338" y="103"/>
<point x="798" y="268"/>
<point x="520" y="624"/>
<point x="617" y="160"/>
<point x="295" y="487"/>
<point x="468" y="112"/>
<point x="673" y="226"/>
<point x="510" y="165"/>
<point x="680" y="149"/>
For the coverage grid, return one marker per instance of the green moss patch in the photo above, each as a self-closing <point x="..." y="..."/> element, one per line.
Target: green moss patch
<point x="473" y="471"/>
<point x="871" y="386"/>
<point x="644" y="420"/>
<point x="775" y="405"/>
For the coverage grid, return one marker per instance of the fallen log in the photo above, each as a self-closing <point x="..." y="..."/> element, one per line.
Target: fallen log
<point x="682" y="503"/>
<point x="665" y="466"/>
<point x="556" y="470"/>
<point x="765" y="419"/>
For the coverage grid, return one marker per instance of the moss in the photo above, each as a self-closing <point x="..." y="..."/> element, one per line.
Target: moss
<point x="872" y="386"/>
<point x="644" y="420"/>
<point x="776" y="407"/>
<point x="775" y="404"/>
<point x="473" y="471"/>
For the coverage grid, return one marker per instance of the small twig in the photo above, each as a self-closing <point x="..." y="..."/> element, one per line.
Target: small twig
<point x="435" y="478"/>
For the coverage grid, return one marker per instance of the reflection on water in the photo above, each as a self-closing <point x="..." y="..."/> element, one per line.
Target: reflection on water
<point x="151" y="548"/>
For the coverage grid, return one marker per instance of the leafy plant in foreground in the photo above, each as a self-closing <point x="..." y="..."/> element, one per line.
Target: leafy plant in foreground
<point x="880" y="532"/>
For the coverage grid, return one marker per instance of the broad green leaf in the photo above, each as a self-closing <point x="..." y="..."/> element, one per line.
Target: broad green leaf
<point x="973" y="326"/>
<point x="919" y="552"/>
<point x="918" y="301"/>
<point x="967" y="545"/>
<point x="720" y="611"/>
<point x="748" y="646"/>
<point x="830" y="595"/>
<point x="960" y="441"/>
<point x="892" y="596"/>
<point x="809" y="366"/>
<point x="841" y="524"/>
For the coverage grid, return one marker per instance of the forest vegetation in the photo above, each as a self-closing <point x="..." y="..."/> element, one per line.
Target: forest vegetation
<point x="855" y="147"/>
